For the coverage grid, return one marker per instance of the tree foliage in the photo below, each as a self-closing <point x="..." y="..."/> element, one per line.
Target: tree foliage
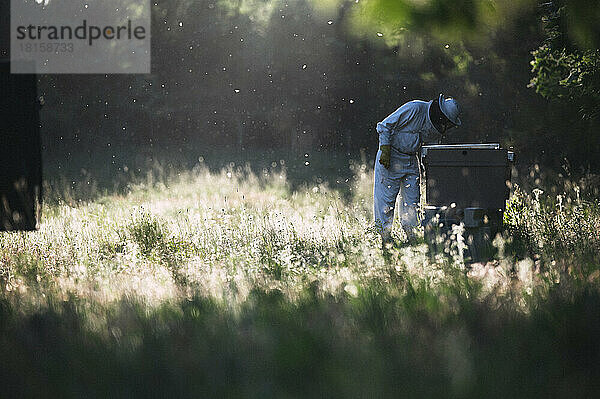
<point x="567" y="66"/>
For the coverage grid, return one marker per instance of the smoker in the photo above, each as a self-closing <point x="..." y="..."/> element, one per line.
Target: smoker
<point x="465" y="185"/>
<point x="20" y="151"/>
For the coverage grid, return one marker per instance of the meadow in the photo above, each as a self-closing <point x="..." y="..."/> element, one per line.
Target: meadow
<point x="238" y="282"/>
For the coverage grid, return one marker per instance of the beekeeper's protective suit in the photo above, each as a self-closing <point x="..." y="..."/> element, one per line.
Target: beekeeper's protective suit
<point x="400" y="137"/>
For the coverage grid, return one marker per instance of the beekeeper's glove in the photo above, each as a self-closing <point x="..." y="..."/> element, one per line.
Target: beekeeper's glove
<point x="384" y="159"/>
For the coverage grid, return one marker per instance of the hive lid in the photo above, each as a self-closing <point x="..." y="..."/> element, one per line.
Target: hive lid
<point x="485" y="146"/>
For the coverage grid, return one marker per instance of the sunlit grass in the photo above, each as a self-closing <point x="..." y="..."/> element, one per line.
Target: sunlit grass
<point x="225" y="234"/>
<point x="216" y="233"/>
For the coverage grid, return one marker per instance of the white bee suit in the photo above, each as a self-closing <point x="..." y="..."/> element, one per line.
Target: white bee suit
<point x="404" y="130"/>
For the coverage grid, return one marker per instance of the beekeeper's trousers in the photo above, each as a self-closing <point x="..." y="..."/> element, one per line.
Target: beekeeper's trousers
<point x="402" y="177"/>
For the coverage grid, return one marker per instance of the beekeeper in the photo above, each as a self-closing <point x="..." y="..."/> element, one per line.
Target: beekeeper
<point x="397" y="166"/>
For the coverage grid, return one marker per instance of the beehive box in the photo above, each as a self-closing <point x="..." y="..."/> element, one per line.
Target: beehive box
<point x="467" y="185"/>
<point x="467" y="175"/>
<point x="20" y="151"/>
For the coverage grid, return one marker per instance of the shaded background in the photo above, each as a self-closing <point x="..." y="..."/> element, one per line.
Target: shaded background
<point x="271" y="80"/>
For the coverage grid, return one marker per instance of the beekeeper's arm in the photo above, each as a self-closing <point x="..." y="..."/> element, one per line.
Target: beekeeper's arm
<point x="386" y="127"/>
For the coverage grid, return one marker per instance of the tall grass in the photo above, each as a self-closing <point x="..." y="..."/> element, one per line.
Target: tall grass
<point x="234" y="283"/>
